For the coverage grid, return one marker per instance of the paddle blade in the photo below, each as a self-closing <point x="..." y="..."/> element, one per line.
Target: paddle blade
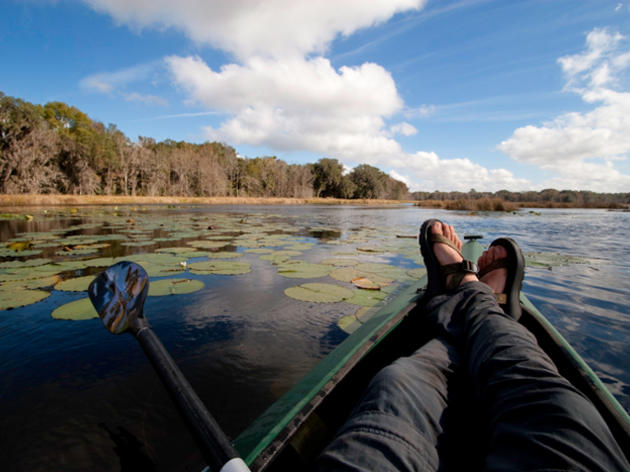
<point x="118" y="294"/>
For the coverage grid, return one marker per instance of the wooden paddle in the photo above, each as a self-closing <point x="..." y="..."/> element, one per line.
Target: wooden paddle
<point x="118" y="294"/>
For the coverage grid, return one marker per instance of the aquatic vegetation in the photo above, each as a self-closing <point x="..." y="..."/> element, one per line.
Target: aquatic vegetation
<point x="382" y="274"/>
<point x="365" y="283"/>
<point x="207" y="244"/>
<point x="58" y="259"/>
<point x="303" y="270"/>
<point x="8" y="252"/>
<point x="16" y="297"/>
<point x="174" y="287"/>
<point x="260" y="250"/>
<point x="552" y="259"/>
<point x="340" y="261"/>
<point x="350" y="323"/>
<point x="78" y="284"/>
<point x="219" y="268"/>
<point x="416" y="273"/>
<point x="367" y="298"/>
<point x="40" y="282"/>
<point x="27" y="263"/>
<point x="15" y="216"/>
<point x="78" y="310"/>
<point x="319" y="293"/>
<point x="224" y="255"/>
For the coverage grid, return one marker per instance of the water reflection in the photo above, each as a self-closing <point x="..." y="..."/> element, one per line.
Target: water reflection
<point x="76" y="397"/>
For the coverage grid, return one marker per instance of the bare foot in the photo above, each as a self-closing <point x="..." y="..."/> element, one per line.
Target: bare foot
<point x="495" y="279"/>
<point x="447" y="255"/>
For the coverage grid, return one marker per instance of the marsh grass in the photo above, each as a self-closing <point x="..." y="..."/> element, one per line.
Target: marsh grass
<point x="8" y="200"/>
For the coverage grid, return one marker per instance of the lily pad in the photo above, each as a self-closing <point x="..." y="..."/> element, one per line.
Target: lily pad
<point x="319" y="293"/>
<point x="554" y="259"/>
<point x="207" y="244"/>
<point x="174" y="287"/>
<point x="14" y="298"/>
<point x="303" y="270"/>
<point x="299" y="246"/>
<point x="417" y="273"/>
<point x="32" y="283"/>
<point x="78" y="310"/>
<point x="259" y="250"/>
<point x="175" y="250"/>
<point x="6" y="252"/>
<point x="138" y="243"/>
<point x="340" y="261"/>
<point x="349" y="323"/>
<point x="27" y="263"/>
<point x="78" y="284"/>
<point x="219" y="267"/>
<point x="224" y="255"/>
<point x="367" y="297"/>
<point x="380" y="273"/>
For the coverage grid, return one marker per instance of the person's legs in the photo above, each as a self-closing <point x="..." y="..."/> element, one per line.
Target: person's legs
<point x="398" y="425"/>
<point x="537" y="419"/>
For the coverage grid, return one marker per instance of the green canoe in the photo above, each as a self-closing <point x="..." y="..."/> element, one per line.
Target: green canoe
<point x="292" y="431"/>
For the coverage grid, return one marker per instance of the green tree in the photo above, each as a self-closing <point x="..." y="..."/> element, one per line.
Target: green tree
<point x="328" y="178"/>
<point x="369" y="181"/>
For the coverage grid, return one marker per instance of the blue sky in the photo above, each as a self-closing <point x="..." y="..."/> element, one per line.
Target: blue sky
<point x="446" y="95"/>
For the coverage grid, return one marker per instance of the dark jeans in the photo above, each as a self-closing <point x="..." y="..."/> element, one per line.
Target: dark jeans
<point x="533" y="418"/>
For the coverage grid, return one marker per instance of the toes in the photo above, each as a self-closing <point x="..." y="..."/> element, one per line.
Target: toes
<point x="436" y="228"/>
<point x="483" y="259"/>
<point x="498" y="252"/>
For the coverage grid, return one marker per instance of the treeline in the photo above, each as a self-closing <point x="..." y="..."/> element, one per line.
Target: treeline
<point x="56" y="148"/>
<point x="547" y="197"/>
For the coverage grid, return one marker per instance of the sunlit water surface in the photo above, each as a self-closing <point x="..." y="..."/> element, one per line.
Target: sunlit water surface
<point x="74" y="397"/>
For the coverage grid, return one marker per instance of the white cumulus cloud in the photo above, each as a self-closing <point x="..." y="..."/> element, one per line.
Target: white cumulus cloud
<point x="276" y="28"/>
<point x="296" y="104"/>
<point x="581" y="147"/>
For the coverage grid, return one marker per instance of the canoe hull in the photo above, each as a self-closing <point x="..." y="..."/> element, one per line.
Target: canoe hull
<point x="293" y="431"/>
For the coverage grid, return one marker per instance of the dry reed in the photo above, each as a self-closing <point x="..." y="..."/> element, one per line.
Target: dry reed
<point x="48" y="200"/>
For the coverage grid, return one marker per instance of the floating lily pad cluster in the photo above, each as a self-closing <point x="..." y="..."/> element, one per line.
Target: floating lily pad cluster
<point x="549" y="260"/>
<point x="181" y="247"/>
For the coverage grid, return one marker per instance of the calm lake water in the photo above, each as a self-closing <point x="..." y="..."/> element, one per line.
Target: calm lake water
<point x="74" y="397"/>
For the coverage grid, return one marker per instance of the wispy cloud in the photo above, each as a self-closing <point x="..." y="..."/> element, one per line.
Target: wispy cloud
<point x="118" y="82"/>
<point x="110" y="81"/>
<point x="148" y="99"/>
<point x="186" y="115"/>
<point x="497" y="108"/>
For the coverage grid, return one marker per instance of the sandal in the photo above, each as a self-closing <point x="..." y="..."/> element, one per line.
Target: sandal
<point x="437" y="273"/>
<point x="515" y="265"/>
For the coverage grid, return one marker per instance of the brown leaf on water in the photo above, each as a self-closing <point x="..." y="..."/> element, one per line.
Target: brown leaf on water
<point x="365" y="283"/>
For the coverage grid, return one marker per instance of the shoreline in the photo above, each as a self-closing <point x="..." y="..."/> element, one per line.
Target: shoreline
<point x="32" y="200"/>
<point x="44" y="200"/>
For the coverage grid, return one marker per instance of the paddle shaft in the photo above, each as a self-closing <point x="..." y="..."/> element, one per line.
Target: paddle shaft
<point x="212" y="441"/>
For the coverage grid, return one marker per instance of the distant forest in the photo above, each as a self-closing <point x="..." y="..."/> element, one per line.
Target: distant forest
<point x="57" y="149"/>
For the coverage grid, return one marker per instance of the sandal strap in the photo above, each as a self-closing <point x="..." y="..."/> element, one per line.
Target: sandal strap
<point x="438" y="238"/>
<point x="458" y="270"/>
